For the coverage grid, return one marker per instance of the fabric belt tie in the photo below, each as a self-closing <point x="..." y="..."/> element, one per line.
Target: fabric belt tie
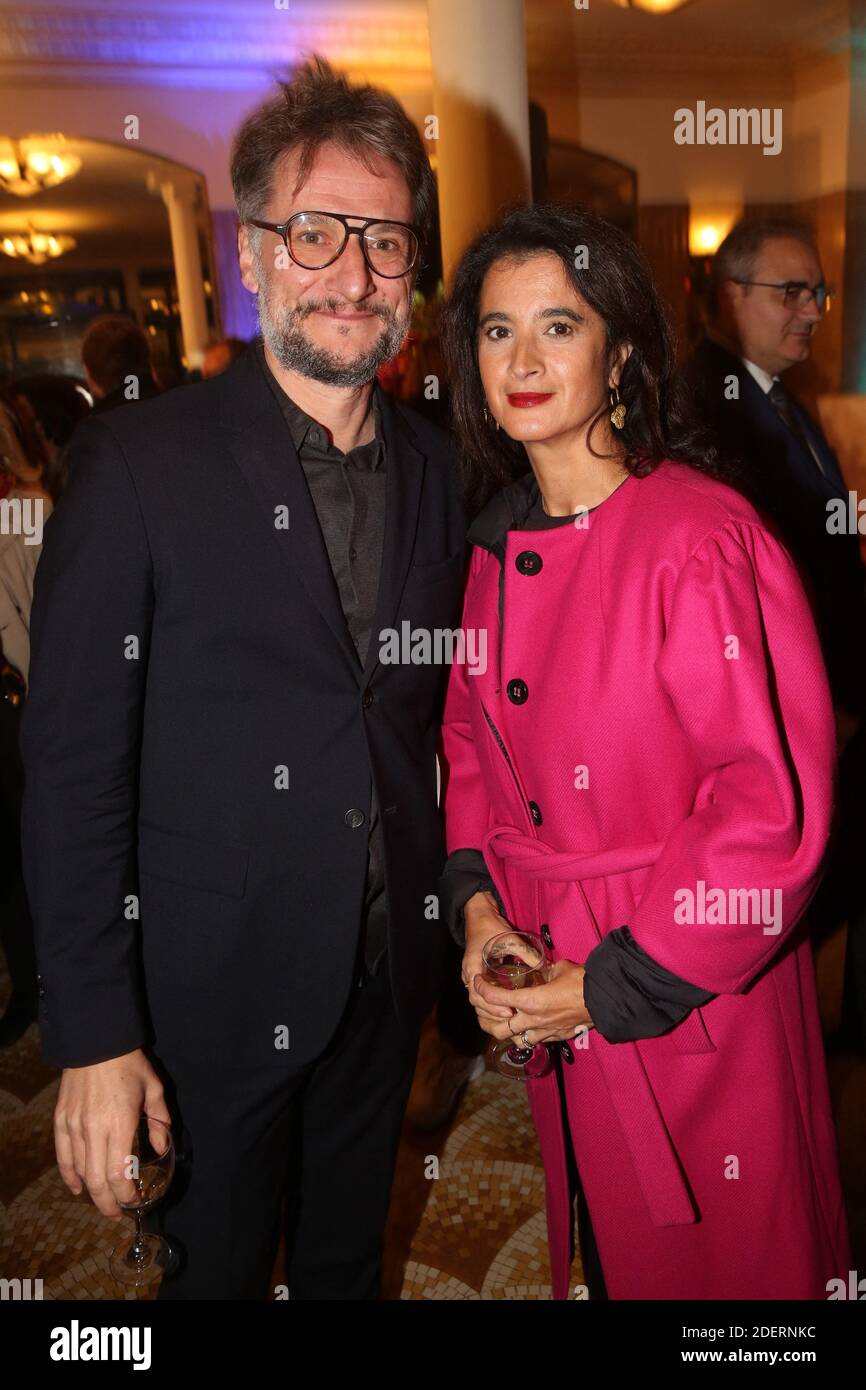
<point x="656" y="1164"/>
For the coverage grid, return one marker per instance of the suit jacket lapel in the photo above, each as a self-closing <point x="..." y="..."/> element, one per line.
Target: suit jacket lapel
<point x="405" y="464"/>
<point x="262" y="448"/>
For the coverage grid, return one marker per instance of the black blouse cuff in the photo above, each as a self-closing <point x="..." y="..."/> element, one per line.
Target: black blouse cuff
<point x="465" y="874"/>
<point x="629" y="995"/>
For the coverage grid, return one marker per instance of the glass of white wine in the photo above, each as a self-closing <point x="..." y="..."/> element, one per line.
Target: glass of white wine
<point x="143" y="1257"/>
<point x="518" y="960"/>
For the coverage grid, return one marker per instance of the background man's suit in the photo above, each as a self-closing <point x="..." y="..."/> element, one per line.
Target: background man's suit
<point x="790" y="472"/>
<point x="153" y="770"/>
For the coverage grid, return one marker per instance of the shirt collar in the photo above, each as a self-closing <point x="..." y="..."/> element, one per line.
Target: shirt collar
<point x="300" y="423"/>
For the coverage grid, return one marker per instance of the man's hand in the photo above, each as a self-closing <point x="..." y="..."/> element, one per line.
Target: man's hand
<point x="95" y="1121"/>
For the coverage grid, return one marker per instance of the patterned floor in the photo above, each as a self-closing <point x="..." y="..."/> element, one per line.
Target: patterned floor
<point x="474" y="1232"/>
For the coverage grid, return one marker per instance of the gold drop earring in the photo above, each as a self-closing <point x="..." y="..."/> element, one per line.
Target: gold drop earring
<point x="618" y="410"/>
<point x="487" y="417"/>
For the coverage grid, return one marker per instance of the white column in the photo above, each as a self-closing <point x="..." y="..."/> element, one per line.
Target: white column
<point x="180" y="200"/>
<point x="481" y="101"/>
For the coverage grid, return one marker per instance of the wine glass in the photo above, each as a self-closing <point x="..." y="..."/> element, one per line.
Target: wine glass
<point x="143" y="1257"/>
<point x="518" y="960"/>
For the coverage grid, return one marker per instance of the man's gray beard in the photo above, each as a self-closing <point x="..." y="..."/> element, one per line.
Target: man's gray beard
<point x="293" y="349"/>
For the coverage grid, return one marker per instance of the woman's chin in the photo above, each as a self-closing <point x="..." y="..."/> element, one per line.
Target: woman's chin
<point x="527" y="431"/>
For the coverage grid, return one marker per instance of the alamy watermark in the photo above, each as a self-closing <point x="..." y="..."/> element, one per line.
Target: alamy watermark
<point x="437" y="646"/>
<point x="22" y="516"/>
<point x="738" y="125"/>
<point x="723" y="906"/>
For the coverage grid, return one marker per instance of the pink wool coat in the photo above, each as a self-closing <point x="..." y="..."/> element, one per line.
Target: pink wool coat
<point x="674" y="730"/>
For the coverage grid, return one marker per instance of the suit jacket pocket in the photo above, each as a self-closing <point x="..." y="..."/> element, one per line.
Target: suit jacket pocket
<point x="215" y="866"/>
<point x="691" y="1035"/>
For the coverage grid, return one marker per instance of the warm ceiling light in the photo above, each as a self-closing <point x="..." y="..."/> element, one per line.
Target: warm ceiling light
<point x="652" y="6"/>
<point x="36" y="247"/>
<point x="31" y="165"/>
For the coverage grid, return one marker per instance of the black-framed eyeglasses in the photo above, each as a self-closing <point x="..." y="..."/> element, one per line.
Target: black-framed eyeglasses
<point x="797" y="291"/>
<point x="315" y="240"/>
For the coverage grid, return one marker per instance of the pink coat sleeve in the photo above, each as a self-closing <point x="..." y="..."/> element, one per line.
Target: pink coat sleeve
<point x="742" y="664"/>
<point x="467" y="807"/>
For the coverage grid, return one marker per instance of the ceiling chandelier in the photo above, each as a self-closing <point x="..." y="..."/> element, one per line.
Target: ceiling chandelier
<point x="28" y="166"/>
<point x="35" y="247"/>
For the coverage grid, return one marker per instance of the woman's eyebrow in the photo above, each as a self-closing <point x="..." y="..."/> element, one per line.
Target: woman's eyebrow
<point x="497" y="316"/>
<point x="561" y="312"/>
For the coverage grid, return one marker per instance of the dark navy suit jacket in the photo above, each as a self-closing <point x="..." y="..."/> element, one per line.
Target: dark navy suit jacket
<point x="781" y="478"/>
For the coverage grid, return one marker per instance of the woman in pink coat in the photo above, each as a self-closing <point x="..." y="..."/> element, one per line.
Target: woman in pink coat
<point x="641" y="771"/>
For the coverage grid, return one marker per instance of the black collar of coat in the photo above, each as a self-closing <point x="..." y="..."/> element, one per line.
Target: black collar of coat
<point x="506" y="510"/>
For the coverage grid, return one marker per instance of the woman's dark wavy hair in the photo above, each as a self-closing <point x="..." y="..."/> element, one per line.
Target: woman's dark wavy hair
<point x="618" y="285"/>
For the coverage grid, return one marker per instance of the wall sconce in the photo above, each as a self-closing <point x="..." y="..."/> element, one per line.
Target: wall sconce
<point x="708" y="228"/>
<point x="652" y="6"/>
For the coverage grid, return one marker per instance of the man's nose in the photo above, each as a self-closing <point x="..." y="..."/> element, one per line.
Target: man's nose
<point x="810" y="311"/>
<point x="349" y="275"/>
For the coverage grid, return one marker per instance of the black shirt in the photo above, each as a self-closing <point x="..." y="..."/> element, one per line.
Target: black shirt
<point x="348" y="492"/>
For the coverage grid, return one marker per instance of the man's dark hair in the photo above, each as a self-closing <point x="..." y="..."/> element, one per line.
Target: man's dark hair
<point x="736" y="256"/>
<point x="320" y="106"/>
<point x="617" y="284"/>
<point x="113" y="349"/>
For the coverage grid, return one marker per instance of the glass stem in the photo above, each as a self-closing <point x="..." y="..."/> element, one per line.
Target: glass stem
<point x="138" y="1249"/>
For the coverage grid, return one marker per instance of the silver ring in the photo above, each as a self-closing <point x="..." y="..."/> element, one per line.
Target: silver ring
<point x="526" y="1042"/>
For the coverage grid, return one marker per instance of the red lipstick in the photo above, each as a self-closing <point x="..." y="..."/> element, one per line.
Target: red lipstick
<point x="522" y="399"/>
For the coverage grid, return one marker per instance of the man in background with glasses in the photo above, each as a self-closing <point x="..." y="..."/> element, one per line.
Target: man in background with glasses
<point x="232" y="835"/>
<point x="767" y="299"/>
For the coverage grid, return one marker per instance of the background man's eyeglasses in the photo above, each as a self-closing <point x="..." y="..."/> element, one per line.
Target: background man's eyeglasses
<point x="315" y="240"/>
<point x="797" y="292"/>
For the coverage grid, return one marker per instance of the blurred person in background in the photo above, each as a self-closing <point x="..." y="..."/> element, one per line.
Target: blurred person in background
<point x="59" y="404"/>
<point x="219" y="356"/>
<point x="768" y="297"/>
<point x="28" y="470"/>
<point x="116" y="357"/>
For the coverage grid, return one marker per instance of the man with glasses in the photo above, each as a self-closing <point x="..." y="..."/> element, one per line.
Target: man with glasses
<point x="767" y="300"/>
<point x="232" y="836"/>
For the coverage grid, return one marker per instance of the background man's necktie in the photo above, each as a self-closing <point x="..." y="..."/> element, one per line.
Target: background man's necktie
<point x="784" y="408"/>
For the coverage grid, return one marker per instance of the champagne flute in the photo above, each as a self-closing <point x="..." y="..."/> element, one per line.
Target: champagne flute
<point x="143" y="1257"/>
<point x="518" y="960"/>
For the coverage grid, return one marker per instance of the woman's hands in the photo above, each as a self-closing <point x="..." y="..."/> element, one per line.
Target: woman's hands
<point x="483" y="920"/>
<point x="550" y="1012"/>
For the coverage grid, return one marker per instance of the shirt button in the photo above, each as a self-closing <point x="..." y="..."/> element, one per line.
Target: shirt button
<point x="367" y="698"/>
<point x="546" y="937"/>
<point x="314" y="437"/>
<point x="535" y="812"/>
<point x="566" y="1053"/>
<point x="354" y="818"/>
<point x="517" y="692"/>
<point x="528" y="562"/>
<point x="40" y="986"/>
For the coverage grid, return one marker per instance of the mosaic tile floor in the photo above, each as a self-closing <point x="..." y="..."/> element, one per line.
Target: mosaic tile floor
<point x="475" y="1232"/>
